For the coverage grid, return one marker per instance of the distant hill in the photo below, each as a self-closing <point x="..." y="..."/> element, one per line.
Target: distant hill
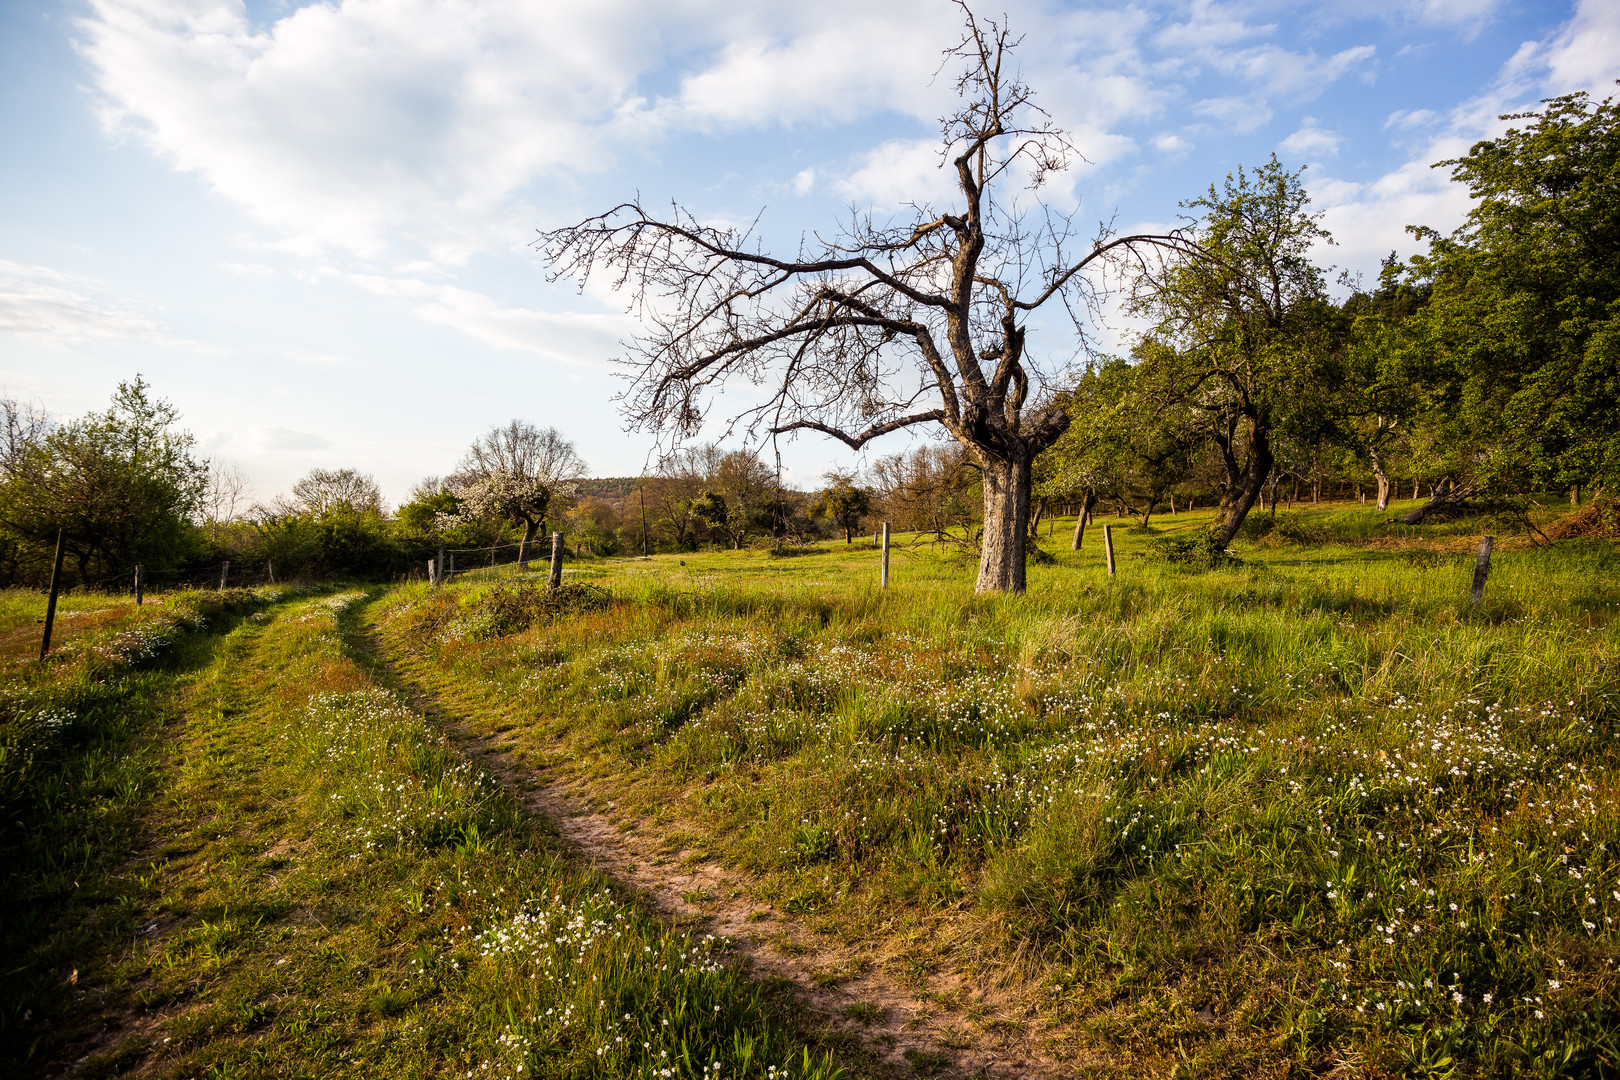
<point x="608" y="487"/>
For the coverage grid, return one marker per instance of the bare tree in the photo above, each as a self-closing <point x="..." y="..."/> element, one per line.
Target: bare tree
<point x="228" y="496"/>
<point x="887" y="326"/>
<point x="323" y="491"/>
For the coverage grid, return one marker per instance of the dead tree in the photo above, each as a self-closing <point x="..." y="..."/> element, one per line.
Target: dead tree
<point x="920" y="320"/>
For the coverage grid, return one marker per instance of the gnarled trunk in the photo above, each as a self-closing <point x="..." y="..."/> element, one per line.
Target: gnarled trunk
<point x="1006" y="530"/>
<point x="1085" y="515"/>
<point x="1245" y="485"/>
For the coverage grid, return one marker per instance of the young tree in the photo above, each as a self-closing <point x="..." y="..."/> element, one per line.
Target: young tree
<point x="514" y="472"/>
<point x="855" y="335"/>
<point x="843" y="502"/>
<point x="1242" y="330"/>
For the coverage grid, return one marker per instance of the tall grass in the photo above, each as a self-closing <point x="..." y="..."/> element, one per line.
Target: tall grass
<point x="1307" y="810"/>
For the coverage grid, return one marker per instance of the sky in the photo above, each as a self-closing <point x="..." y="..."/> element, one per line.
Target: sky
<point x="310" y="226"/>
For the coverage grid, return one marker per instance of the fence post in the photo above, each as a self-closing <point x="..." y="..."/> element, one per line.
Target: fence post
<point x="555" y="579"/>
<point x="885" y="535"/>
<point x="1482" y="569"/>
<point x="450" y="568"/>
<point x="433" y="571"/>
<point x="438" y="567"/>
<point x="140" y="580"/>
<point x="224" y="573"/>
<point x="1108" y="547"/>
<point x="270" y="570"/>
<point x="50" y="605"/>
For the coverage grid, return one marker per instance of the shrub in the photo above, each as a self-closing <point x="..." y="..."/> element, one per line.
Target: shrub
<point x="1198" y="550"/>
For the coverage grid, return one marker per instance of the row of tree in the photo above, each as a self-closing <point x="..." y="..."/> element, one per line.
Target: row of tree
<point x="1490" y="361"/>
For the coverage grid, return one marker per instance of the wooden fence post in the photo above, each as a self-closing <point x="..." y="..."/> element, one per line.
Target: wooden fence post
<point x="433" y="571"/>
<point x="438" y="568"/>
<point x="50" y="605"/>
<point x="140" y="581"/>
<point x="1482" y="569"/>
<point x="555" y="579"/>
<point x="450" y="568"/>
<point x="885" y="536"/>
<point x="224" y="573"/>
<point x="1108" y="547"/>
<point x="270" y="570"/>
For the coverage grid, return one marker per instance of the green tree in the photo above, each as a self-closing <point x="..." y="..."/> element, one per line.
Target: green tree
<point x="123" y="485"/>
<point x="1519" y="346"/>
<point x="843" y="502"/>
<point x="1243" y="331"/>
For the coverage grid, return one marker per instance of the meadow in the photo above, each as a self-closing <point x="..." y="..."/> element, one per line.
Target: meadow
<point x="1309" y="812"/>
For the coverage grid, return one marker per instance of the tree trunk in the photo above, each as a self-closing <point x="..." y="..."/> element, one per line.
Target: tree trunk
<point x="1147" y="511"/>
<point x="1035" y="521"/>
<point x="530" y="527"/>
<point x="1383" y="480"/>
<point x="1575" y="495"/>
<point x="1240" y="497"/>
<point x="1006" y="524"/>
<point x="1443" y="494"/>
<point x="1085" y="516"/>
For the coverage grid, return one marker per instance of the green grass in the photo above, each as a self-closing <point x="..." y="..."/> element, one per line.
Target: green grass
<point x="1310" y="810"/>
<point x="242" y="853"/>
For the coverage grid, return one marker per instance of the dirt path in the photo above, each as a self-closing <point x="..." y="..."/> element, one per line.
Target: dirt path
<point x="929" y="1023"/>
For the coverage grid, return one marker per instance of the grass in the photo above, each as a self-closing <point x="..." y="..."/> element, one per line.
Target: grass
<point x="241" y="852"/>
<point x="1307" y="812"/>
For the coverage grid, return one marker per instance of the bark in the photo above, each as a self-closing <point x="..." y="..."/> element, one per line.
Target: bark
<point x="1575" y="495"/>
<point x="530" y="526"/>
<point x="1445" y="493"/>
<point x="1006" y="532"/>
<point x="1240" y="496"/>
<point x="1085" y="516"/>
<point x="1383" y="480"/>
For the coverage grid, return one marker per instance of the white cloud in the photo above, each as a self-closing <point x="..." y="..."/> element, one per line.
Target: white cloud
<point x="273" y="440"/>
<point x="899" y="172"/>
<point x="1585" y="54"/>
<point x="1311" y="142"/>
<point x="803" y="182"/>
<point x="1410" y="118"/>
<point x="41" y="304"/>
<point x="1237" y="114"/>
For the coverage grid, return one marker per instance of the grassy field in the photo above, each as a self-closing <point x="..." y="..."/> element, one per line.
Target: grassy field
<point x="1308" y="813"/>
<point x="233" y="851"/>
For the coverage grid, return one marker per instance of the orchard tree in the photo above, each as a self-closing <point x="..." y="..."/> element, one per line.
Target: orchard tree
<point x="844" y="503"/>
<point x="887" y="326"/>
<point x="1518" y="347"/>
<point x="122" y="485"/>
<point x="1243" y="332"/>
<point x="513" y="472"/>
<point x="334" y="491"/>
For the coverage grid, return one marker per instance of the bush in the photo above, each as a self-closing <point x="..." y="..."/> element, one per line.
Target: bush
<point x="1198" y="550"/>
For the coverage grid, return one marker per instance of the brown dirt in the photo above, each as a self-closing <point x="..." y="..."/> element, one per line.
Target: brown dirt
<point x="911" y="1023"/>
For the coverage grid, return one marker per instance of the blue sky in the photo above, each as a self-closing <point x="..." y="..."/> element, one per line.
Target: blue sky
<point x="308" y="226"/>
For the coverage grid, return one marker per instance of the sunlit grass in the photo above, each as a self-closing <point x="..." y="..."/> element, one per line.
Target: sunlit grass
<point x="1309" y="809"/>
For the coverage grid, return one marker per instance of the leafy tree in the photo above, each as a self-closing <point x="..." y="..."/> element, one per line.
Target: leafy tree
<point x="843" y="502"/>
<point x="122" y="484"/>
<point x="1518" y="348"/>
<point x="917" y="321"/>
<point x="1243" y="331"/>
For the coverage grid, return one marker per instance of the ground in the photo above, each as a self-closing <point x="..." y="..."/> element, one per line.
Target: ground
<point x="1305" y="812"/>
